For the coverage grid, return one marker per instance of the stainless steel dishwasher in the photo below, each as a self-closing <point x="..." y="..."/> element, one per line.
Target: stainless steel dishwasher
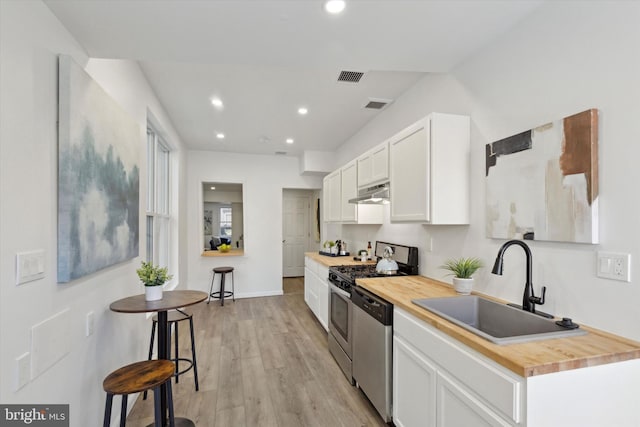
<point x="372" y="352"/>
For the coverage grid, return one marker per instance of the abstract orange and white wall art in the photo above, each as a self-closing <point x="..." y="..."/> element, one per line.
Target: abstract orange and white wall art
<point x="542" y="184"/>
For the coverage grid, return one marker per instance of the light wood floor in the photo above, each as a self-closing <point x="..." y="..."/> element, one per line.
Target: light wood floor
<point x="262" y="362"/>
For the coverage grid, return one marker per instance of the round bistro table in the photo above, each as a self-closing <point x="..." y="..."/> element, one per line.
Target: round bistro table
<point x="170" y="300"/>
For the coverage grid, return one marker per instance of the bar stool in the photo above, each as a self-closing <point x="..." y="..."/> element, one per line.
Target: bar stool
<point x="222" y="293"/>
<point x="137" y="377"/>
<point x="173" y="318"/>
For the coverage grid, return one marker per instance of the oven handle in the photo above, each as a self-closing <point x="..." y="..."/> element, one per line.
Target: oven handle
<point x="339" y="291"/>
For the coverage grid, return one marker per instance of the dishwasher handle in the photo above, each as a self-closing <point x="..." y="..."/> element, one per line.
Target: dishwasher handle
<point x="373" y="305"/>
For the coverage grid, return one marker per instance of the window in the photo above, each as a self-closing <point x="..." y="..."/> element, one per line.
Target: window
<point x="225" y="222"/>
<point x="158" y="212"/>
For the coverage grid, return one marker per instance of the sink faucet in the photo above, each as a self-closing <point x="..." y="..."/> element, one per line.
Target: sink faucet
<point x="529" y="300"/>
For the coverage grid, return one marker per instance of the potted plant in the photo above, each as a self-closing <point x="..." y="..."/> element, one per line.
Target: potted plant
<point x="462" y="269"/>
<point x="329" y="245"/>
<point x="153" y="278"/>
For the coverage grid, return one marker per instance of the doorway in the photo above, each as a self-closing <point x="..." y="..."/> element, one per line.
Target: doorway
<point x="298" y="235"/>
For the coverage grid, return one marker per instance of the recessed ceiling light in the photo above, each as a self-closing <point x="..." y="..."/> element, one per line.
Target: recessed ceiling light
<point x="334" y="6"/>
<point x="213" y="188"/>
<point x="289" y="140"/>
<point x="220" y="135"/>
<point x="302" y="111"/>
<point x="216" y="102"/>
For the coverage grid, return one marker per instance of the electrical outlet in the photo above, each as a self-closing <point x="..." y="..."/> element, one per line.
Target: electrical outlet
<point x="616" y="266"/>
<point x="23" y="370"/>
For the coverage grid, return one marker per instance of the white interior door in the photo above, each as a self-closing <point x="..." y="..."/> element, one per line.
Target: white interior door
<point x="295" y="230"/>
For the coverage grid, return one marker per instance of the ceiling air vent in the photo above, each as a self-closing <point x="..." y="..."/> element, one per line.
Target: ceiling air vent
<point x="281" y="153"/>
<point x="350" y="76"/>
<point x="377" y="103"/>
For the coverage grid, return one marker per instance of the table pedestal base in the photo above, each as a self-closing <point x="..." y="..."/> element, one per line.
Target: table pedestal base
<point x="180" y="422"/>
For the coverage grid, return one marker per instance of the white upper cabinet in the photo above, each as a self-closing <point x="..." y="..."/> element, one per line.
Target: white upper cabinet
<point x="373" y="166"/>
<point x="429" y="171"/>
<point x="338" y="188"/>
<point x="349" y="211"/>
<point x="331" y="196"/>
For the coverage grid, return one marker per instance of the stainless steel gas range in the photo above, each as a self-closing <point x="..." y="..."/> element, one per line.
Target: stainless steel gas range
<point x="341" y="280"/>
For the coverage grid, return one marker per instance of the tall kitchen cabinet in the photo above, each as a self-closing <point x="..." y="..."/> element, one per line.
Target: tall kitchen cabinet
<point x="349" y="187"/>
<point x="332" y="196"/>
<point x="429" y="171"/>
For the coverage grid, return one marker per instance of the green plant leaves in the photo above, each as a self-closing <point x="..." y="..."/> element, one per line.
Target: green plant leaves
<point x="152" y="275"/>
<point x="462" y="268"/>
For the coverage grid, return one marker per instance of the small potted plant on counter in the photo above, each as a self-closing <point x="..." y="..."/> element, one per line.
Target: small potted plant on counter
<point x="462" y="269"/>
<point x="329" y="246"/>
<point x="153" y="278"/>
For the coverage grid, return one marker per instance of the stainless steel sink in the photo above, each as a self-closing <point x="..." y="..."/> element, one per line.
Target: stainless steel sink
<point x="494" y="321"/>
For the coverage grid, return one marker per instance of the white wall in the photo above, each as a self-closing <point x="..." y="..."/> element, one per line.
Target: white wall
<point x="565" y="58"/>
<point x="30" y="40"/>
<point x="259" y="271"/>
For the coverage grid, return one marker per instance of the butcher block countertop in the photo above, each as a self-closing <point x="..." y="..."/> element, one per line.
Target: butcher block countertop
<point x="526" y="359"/>
<point x="332" y="261"/>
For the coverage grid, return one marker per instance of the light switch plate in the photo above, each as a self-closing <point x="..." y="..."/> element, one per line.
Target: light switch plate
<point x="614" y="265"/>
<point x="29" y="266"/>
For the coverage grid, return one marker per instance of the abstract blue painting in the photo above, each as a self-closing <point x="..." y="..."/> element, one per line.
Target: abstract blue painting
<point x="98" y="177"/>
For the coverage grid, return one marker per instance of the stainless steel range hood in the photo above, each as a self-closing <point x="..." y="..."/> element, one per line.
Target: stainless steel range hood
<point x="375" y="195"/>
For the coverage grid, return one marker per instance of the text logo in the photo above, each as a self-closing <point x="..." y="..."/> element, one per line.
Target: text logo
<point x="34" y="415"/>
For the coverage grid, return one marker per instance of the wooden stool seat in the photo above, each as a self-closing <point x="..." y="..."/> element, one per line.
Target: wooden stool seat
<point x="139" y="376"/>
<point x="222" y="293"/>
<point x="135" y="378"/>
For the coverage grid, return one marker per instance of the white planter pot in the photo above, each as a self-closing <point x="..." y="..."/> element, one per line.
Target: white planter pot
<point x="152" y="293"/>
<point x="463" y="286"/>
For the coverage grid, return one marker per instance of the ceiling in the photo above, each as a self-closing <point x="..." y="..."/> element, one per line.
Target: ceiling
<point x="265" y="59"/>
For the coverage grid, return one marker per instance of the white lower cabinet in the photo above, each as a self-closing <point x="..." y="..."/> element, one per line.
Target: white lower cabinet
<point x="441" y="382"/>
<point x="436" y="383"/>
<point x="316" y="290"/>
<point x="456" y="406"/>
<point x="414" y="387"/>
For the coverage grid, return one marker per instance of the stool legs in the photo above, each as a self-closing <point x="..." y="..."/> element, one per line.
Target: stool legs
<point x="222" y="293"/>
<point x="157" y="393"/>
<point x="107" y="411"/>
<point x="175" y="326"/>
<point x="123" y="411"/>
<point x="193" y="353"/>
<point x="213" y="278"/>
<point x="222" y="276"/>
<point x="233" y="288"/>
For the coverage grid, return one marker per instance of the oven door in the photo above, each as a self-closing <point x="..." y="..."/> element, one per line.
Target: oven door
<point x="340" y="315"/>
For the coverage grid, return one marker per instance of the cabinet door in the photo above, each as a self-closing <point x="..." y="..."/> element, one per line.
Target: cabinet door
<point x="380" y="163"/>
<point x="335" y="204"/>
<point x="326" y="199"/>
<point x="365" y="169"/>
<point x="323" y="302"/>
<point x="458" y="407"/>
<point x="349" y="189"/>
<point x="308" y="278"/>
<point x="322" y="291"/>
<point x="332" y="197"/>
<point x="311" y="284"/>
<point x="414" y="387"/>
<point x="409" y="173"/>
